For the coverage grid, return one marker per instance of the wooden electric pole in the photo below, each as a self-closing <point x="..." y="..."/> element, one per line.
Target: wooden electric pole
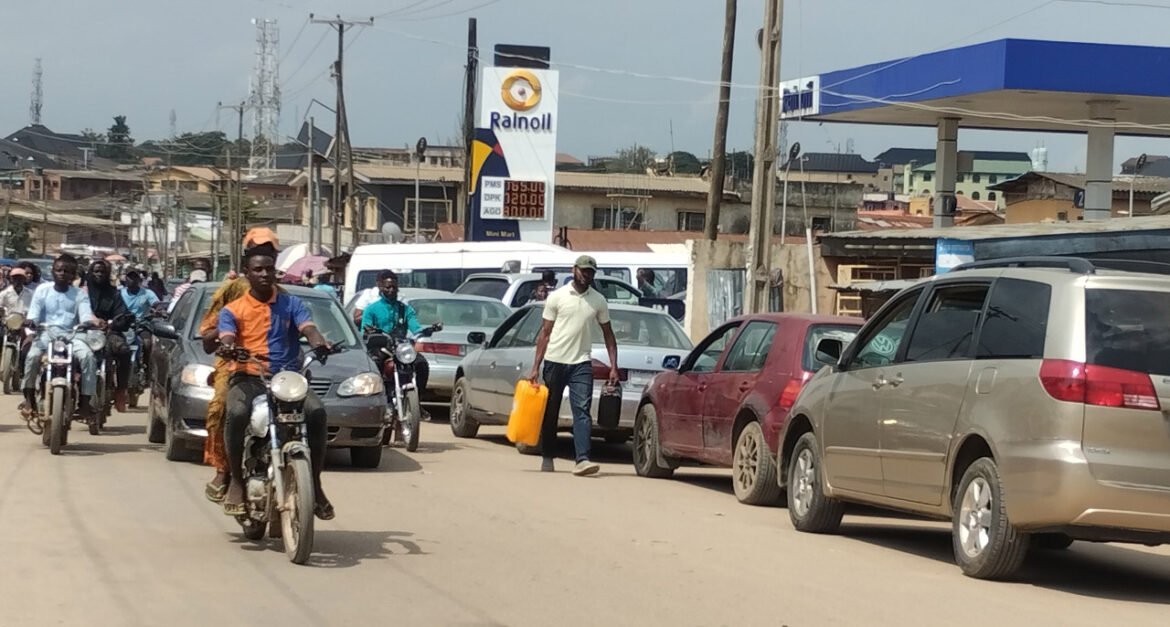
<point x="235" y="213"/>
<point x="469" y="89"/>
<point x="763" y="208"/>
<point x="719" y="154"/>
<point x="341" y="130"/>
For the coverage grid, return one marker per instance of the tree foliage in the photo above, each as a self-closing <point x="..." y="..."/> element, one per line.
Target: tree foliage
<point x="633" y="160"/>
<point x="682" y="162"/>
<point x="119" y="144"/>
<point x="19" y="237"/>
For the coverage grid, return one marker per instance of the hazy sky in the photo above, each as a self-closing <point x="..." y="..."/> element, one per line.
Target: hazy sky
<point x="143" y="58"/>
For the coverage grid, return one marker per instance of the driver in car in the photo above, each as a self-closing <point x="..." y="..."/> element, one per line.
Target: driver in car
<point x="395" y="318"/>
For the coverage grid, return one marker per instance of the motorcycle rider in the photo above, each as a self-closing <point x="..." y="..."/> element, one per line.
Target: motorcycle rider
<point x="267" y="322"/>
<point x="34" y="274"/>
<point x="107" y="304"/>
<point x="62" y="306"/>
<point x="389" y="315"/>
<point x="16" y="297"/>
<point x="139" y="301"/>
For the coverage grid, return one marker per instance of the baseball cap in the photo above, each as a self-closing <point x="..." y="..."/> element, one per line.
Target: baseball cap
<point x="18" y="272"/>
<point x="260" y="235"/>
<point x="585" y="262"/>
<point x="198" y="275"/>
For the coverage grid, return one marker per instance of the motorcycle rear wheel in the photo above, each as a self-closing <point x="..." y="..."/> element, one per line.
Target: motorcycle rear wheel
<point x="411" y="419"/>
<point x="58" y="418"/>
<point x="297" y="519"/>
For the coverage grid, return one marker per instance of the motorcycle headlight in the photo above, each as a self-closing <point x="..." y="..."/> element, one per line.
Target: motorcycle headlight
<point x="364" y="384"/>
<point x="405" y="353"/>
<point x="59" y="347"/>
<point x="196" y="375"/>
<point x="14" y="321"/>
<point x="96" y="340"/>
<point x="289" y="387"/>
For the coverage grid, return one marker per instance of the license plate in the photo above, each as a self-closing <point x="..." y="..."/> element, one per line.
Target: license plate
<point x="639" y="378"/>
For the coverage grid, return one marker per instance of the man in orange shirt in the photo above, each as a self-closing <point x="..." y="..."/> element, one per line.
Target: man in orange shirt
<point x="268" y="323"/>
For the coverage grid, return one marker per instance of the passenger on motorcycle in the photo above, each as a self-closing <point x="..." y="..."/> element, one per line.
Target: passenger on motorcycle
<point x="140" y="301"/>
<point x="108" y="306"/>
<point x="268" y="323"/>
<point x="62" y="306"/>
<point x="393" y="317"/>
<point x="16" y="297"/>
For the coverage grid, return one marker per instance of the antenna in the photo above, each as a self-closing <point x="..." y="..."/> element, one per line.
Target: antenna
<point x="265" y="97"/>
<point x="37" y="101"/>
<point x="174" y="124"/>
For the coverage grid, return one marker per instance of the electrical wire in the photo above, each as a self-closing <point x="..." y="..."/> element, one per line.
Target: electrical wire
<point x="306" y="60"/>
<point x="401" y="9"/>
<point x="297" y="38"/>
<point x="477" y="7"/>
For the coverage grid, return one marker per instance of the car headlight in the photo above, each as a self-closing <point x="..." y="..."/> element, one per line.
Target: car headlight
<point x="196" y="375"/>
<point x="405" y="353"/>
<point x="364" y="384"/>
<point x="289" y="387"/>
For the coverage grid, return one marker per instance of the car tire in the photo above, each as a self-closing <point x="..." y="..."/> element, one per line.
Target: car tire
<point x="175" y="449"/>
<point x="753" y="469"/>
<point x="809" y="508"/>
<point x="986" y="544"/>
<point x="155" y="428"/>
<point x="647" y="450"/>
<point x="462" y="424"/>
<point x="1051" y="541"/>
<point x="365" y="456"/>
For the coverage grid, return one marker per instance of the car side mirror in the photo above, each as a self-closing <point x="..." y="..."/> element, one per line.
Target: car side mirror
<point x="671" y="362"/>
<point x="829" y="351"/>
<point x="164" y="330"/>
<point x="476" y="338"/>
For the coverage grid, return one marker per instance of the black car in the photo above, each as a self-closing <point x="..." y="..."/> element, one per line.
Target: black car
<point x="349" y="383"/>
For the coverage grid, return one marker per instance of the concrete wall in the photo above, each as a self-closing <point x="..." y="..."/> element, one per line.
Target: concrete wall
<point x="791" y="259"/>
<point x="1047" y="209"/>
<point x="574" y="209"/>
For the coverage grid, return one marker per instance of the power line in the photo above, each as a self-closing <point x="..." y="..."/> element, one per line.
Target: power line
<point x="401" y="9"/>
<point x="296" y="38"/>
<point x="451" y="14"/>
<point x="306" y="59"/>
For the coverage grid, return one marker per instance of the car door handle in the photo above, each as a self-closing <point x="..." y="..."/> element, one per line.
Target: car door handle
<point x="702" y="386"/>
<point x="492" y="365"/>
<point x="744" y="387"/>
<point x="896" y="381"/>
<point x="881" y="382"/>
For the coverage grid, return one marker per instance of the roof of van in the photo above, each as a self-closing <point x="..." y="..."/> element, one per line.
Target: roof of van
<point x="455" y="247"/>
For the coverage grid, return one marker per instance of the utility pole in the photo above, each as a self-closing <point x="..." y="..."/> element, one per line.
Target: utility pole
<point x="341" y="133"/>
<point x="719" y="158"/>
<point x="469" y="89"/>
<point x="235" y="205"/>
<point x="314" y="245"/>
<point x="764" y="175"/>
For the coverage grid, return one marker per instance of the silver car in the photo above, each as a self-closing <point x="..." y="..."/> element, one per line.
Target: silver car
<point x="649" y="341"/>
<point x="515" y="290"/>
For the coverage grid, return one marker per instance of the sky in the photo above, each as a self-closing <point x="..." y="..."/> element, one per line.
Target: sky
<point x="632" y="71"/>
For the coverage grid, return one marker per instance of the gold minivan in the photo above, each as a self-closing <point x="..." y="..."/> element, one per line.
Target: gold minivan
<point x="1026" y="400"/>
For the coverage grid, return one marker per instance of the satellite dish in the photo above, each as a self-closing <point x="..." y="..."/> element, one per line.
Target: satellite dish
<point x="393" y="233"/>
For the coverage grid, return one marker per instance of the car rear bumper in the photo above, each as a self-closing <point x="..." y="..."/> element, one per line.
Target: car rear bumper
<point x="1049" y="485"/>
<point x="441" y="381"/>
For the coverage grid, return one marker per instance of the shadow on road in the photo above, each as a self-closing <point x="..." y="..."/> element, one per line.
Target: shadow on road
<point x="90" y="448"/>
<point x="709" y="482"/>
<point x="124" y="430"/>
<point x="393" y="460"/>
<point x="346" y="549"/>
<point x="1087" y="569"/>
<point x="600" y="451"/>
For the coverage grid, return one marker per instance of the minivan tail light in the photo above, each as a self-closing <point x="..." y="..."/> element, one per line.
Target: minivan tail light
<point x="601" y="371"/>
<point x="1100" y="386"/>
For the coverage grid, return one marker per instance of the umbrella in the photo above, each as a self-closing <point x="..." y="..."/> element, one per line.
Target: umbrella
<point x="115" y="257"/>
<point x="290" y="255"/>
<point x="315" y="263"/>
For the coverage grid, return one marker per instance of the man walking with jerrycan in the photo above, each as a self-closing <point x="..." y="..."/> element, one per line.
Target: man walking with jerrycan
<point x="564" y="345"/>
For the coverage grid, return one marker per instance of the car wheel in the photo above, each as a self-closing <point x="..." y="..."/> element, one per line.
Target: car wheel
<point x="366" y="456"/>
<point x="647" y="450"/>
<point x="462" y="424"/>
<point x="155" y="428"/>
<point x="1051" y="541"/>
<point x="753" y="471"/>
<point x="175" y="449"/>
<point x="808" y="507"/>
<point x="986" y="545"/>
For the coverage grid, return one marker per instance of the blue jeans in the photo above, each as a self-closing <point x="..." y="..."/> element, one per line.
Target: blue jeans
<point x="579" y="379"/>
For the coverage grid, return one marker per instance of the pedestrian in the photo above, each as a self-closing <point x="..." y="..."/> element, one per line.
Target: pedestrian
<point x="565" y="346"/>
<point x="196" y="276"/>
<point x="157" y="286"/>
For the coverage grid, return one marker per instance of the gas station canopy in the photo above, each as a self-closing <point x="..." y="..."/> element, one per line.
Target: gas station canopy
<point x="1010" y="84"/>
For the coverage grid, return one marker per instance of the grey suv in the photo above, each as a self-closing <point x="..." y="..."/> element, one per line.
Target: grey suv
<point x="1022" y="399"/>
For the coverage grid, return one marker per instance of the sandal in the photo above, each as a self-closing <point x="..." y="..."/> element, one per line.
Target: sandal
<point x="235" y="509"/>
<point x="215" y="493"/>
<point x="324" y="511"/>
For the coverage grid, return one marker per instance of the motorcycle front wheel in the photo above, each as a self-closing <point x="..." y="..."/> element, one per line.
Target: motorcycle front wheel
<point x="7" y="365"/>
<point x="296" y="520"/>
<point x="411" y="419"/>
<point x="59" y="421"/>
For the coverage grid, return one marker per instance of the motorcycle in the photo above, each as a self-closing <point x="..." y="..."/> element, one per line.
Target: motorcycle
<point x="59" y="384"/>
<point x="107" y="368"/>
<point x="139" y="361"/>
<point x="12" y="346"/>
<point x="395" y="356"/>
<point x="278" y="473"/>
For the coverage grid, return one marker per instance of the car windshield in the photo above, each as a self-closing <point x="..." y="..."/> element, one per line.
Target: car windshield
<point x="649" y="329"/>
<point x="324" y="310"/>
<point x="490" y="288"/>
<point x="819" y="332"/>
<point x="460" y="312"/>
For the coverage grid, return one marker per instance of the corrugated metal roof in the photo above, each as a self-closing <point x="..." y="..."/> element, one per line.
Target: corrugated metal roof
<point x="1141" y="184"/>
<point x="1011" y="231"/>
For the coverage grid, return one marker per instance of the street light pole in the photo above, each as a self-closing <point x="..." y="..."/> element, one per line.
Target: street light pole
<point x="420" y="150"/>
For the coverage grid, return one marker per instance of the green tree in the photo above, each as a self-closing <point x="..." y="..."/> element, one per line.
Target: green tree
<point x="682" y="162"/>
<point x="19" y="237"/>
<point x="740" y="165"/>
<point x="119" y="145"/>
<point x="93" y="136"/>
<point x="633" y="160"/>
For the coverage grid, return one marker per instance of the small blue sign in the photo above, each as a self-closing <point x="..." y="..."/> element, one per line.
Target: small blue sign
<point x="951" y="253"/>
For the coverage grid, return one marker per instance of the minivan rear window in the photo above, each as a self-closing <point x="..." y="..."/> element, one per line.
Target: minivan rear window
<point x="445" y="279"/>
<point x="491" y="288"/>
<point x="1128" y="329"/>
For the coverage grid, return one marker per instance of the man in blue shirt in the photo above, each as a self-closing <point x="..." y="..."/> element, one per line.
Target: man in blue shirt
<point x="139" y="301"/>
<point x="395" y="318"/>
<point x="62" y="306"/>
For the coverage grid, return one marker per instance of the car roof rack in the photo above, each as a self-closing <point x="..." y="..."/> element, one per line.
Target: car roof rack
<point x="1078" y="265"/>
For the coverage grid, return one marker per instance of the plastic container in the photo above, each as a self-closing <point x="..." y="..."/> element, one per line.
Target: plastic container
<point x="527" y="413"/>
<point x="609" y="407"/>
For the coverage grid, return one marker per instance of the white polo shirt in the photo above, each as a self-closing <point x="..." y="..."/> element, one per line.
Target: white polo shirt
<point x="572" y="314"/>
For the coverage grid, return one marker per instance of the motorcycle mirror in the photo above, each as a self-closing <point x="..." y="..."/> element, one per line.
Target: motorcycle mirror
<point x="164" y="330"/>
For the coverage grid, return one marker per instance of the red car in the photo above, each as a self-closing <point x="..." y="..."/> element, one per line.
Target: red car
<point x="726" y="403"/>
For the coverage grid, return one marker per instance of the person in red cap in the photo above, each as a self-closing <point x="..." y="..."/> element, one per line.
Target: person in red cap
<point x="16" y="297"/>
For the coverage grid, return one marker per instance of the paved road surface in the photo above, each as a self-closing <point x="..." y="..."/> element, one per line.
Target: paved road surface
<point x="467" y="533"/>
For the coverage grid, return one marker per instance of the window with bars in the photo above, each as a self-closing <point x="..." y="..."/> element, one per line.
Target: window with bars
<point x="626" y="218"/>
<point x="691" y="220"/>
<point x="432" y="213"/>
